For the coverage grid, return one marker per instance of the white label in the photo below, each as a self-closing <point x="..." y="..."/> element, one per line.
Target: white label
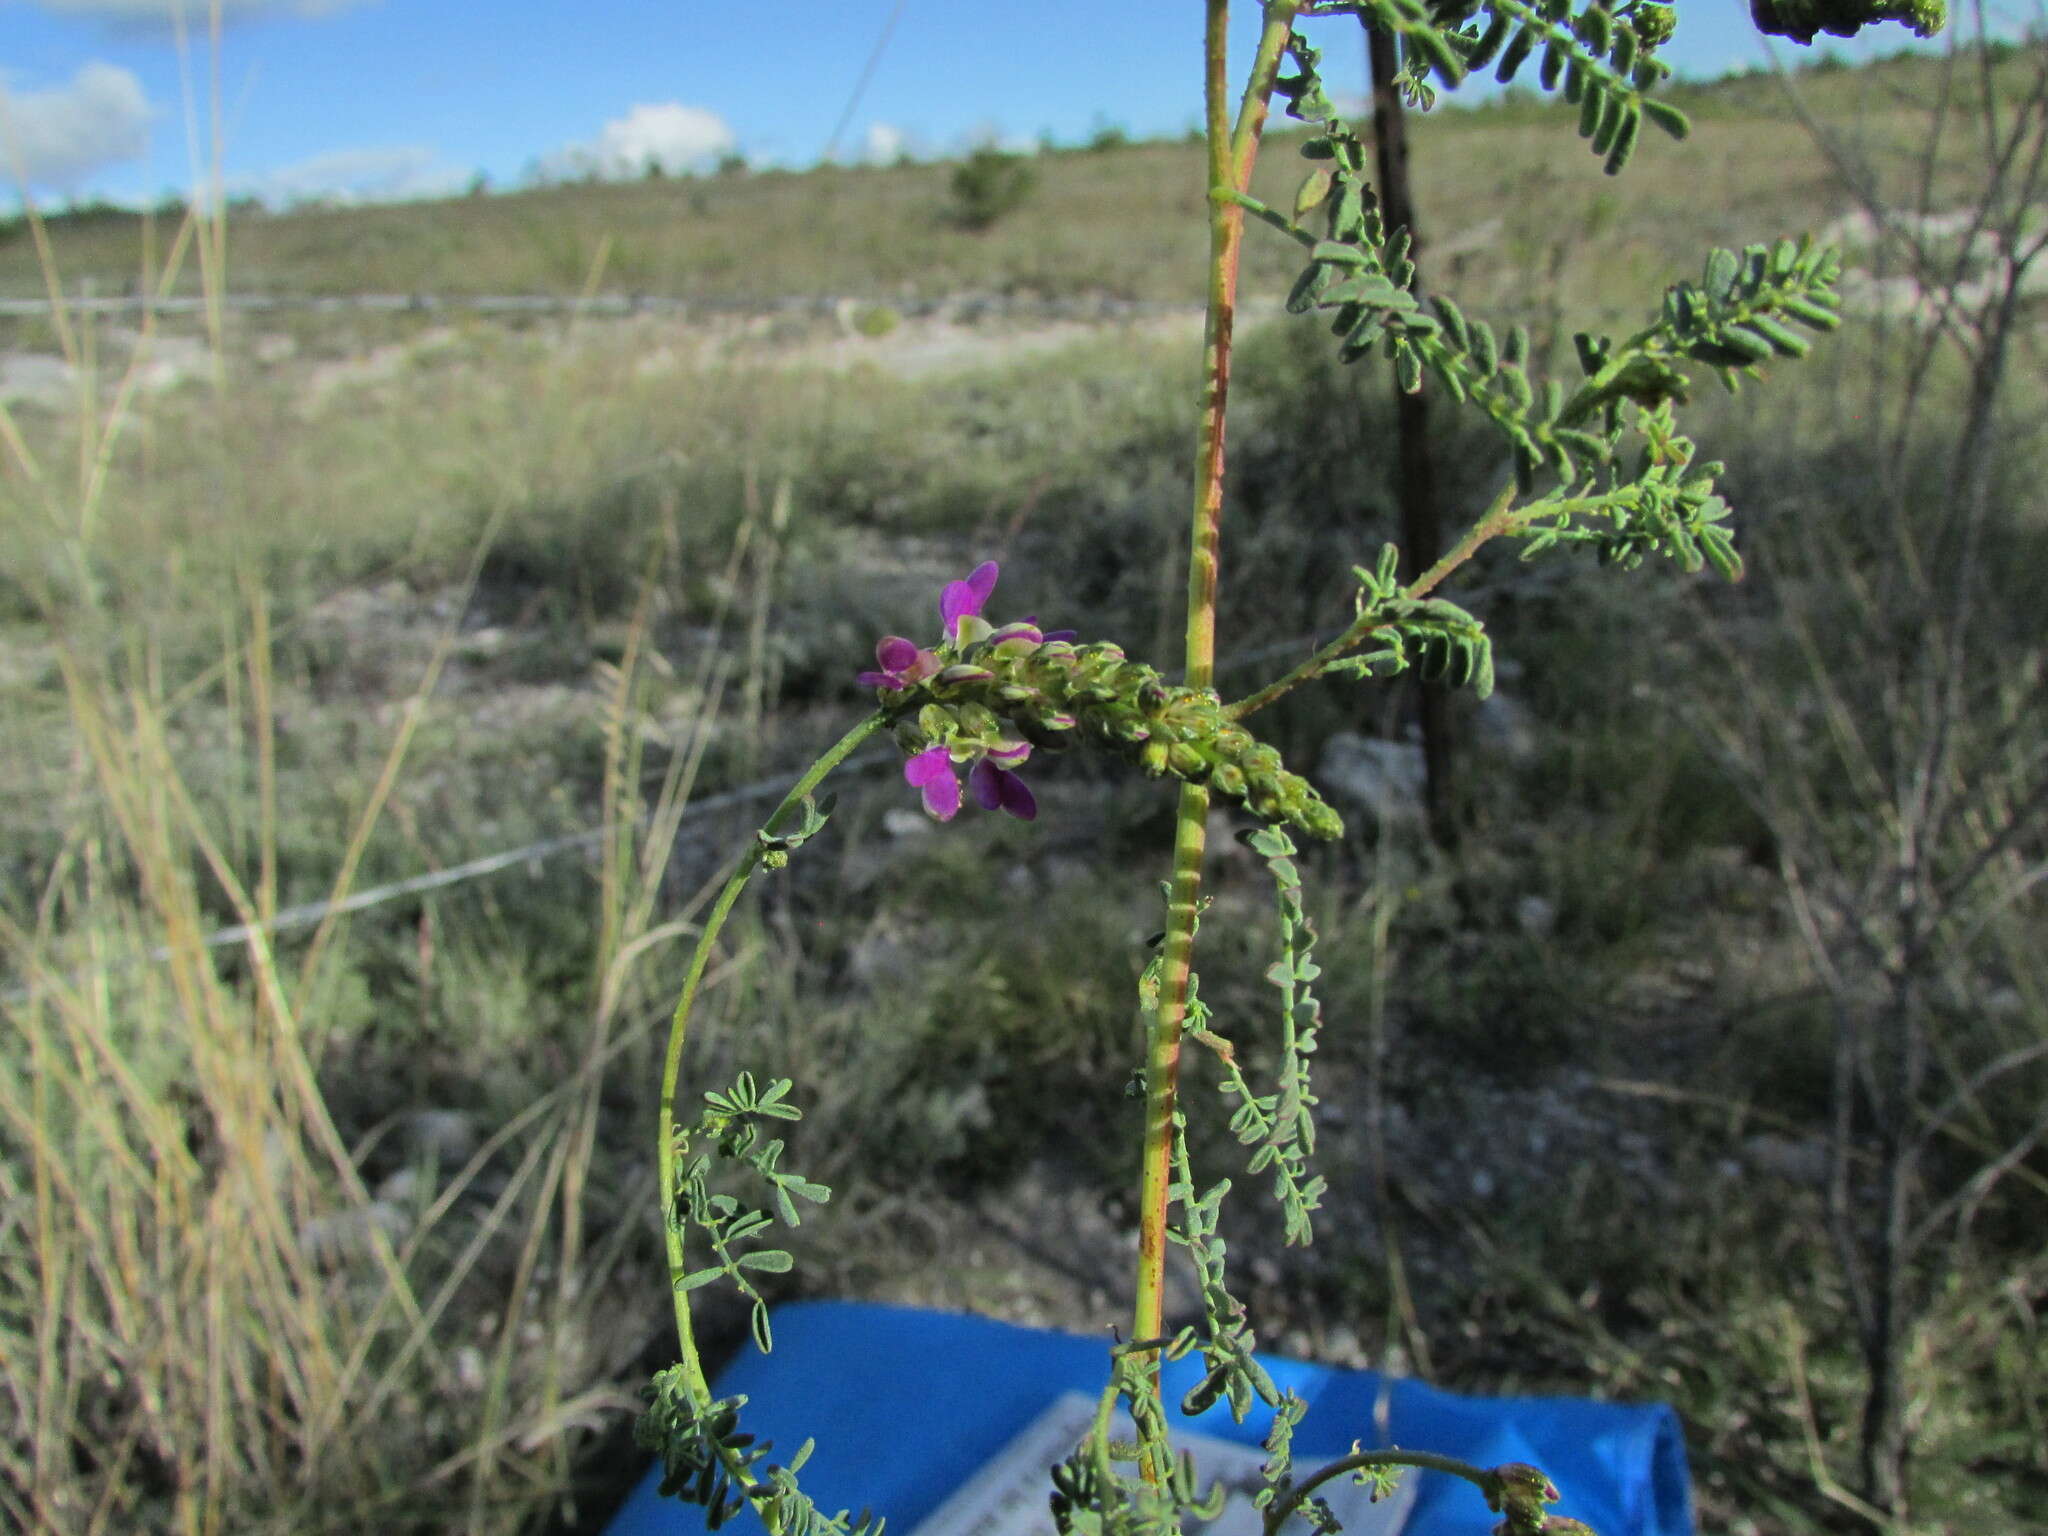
<point x="1007" y="1497"/>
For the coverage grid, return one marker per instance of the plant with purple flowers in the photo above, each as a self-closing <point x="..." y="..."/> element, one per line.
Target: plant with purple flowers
<point x="1599" y="462"/>
<point x="987" y="696"/>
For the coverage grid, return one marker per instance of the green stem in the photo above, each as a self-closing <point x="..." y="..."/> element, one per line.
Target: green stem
<point x="671" y="1068"/>
<point x="1500" y="518"/>
<point x="1486" y="1481"/>
<point x="1232" y="152"/>
<point x="1267" y="214"/>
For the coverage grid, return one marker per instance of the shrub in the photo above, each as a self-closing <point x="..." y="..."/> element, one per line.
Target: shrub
<point x="989" y="185"/>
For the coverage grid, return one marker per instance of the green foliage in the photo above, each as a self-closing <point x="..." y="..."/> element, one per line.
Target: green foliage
<point x="1800" y="20"/>
<point x="729" y="1123"/>
<point x="1734" y="320"/>
<point x="1279" y="1448"/>
<point x="783" y="835"/>
<point x="1449" y="643"/>
<point x="708" y="1460"/>
<point x="1362" y="274"/>
<point x="1734" y="317"/>
<point x="1226" y="1338"/>
<point x="1090" y="1497"/>
<point x="875" y="321"/>
<point x="1740" y="315"/>
<point x="989" y="185"/>
<point x="1603" y="58"/>
<point x="1107" y="136"/>
<point x="1280" y="1125"/>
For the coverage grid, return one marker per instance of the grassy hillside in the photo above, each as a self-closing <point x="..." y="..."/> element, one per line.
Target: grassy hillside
<point x="1120" y="222"/>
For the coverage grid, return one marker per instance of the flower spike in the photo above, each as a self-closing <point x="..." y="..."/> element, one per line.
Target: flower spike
<point x="987" y="694"/>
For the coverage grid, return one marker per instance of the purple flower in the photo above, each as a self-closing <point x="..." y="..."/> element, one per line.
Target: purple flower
<point x="965" y="599"/>
<point x="932" y="773"/>
<point x="998" y="788"/>
<point x="902" y="664"/>
<point x="969" y="734"/>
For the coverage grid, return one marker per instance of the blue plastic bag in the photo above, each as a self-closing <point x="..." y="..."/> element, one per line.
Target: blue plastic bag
<point x="905" y="1405"/>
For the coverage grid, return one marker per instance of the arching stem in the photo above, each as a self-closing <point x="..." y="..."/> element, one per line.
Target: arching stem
<point x="678" y="1034"/>
<point x="1487" y="1481"/>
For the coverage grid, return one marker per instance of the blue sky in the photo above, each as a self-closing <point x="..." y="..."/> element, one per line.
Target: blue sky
<point x="391" y="98"/>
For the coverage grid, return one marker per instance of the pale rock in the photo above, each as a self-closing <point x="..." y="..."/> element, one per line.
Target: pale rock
<point x="901" y="822"/>
<point x="483" y="644"/>
<point x="1504" y="725"/>
<point x="1536" y="916"/>
<point x="346" y="1236"/>
<point x="400" y="1188"/>
<point x="165" y="362"/>
<point x="881" y="960"/>
<point x="1343" y="1347"/>
<point x="29" y="378"/>
<point x="444" y="1136"/>
<point x="1385" y="778"/>
<point x="1803" y="1160"/>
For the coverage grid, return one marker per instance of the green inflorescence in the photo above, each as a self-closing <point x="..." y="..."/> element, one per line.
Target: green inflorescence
<point x="1055" y="692"/>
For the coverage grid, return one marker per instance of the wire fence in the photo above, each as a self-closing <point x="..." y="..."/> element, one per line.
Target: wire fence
<point x="309" y="914"/>
<point x="959" y="306"/>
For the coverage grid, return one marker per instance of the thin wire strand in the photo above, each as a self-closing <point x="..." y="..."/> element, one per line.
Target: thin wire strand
<point x="867" y="73"/>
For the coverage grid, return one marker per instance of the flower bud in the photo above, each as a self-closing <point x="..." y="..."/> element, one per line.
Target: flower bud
<point x="978" y="719"/>
<point x="1017" y="639"/>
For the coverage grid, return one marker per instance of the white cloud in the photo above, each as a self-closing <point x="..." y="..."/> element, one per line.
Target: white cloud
<point x="196" y="12"/>
<point x="58" y="136"/>
<point x="377" y="175"/>
<point x="883" y="143"/>
<point x="667" y="133"/>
